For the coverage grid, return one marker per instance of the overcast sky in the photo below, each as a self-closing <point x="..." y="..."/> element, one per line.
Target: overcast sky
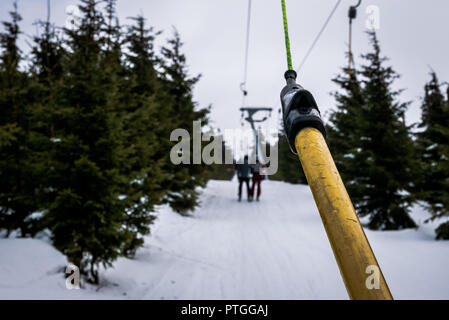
<point x="413" y="34"/>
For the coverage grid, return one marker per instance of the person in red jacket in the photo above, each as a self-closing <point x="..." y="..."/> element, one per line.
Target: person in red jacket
<point x="256" y="170"/>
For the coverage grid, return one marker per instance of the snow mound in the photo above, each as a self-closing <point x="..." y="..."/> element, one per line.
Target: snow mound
<point x="273" y="249"/>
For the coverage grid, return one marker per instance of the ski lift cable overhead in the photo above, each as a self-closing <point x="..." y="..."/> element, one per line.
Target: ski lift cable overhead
<point x="306" y="56"/>
<point x="245" y="68"/>
<point x="250" y="110"/>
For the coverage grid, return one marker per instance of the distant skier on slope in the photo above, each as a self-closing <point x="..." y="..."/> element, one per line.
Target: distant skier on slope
<point x="258" y="176"/>
<point x="243" y="171"/>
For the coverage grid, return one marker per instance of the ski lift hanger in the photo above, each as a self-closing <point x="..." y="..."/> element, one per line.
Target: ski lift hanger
<point x="252" y="111"/>
<point x="353" y="11"/>
<point x="255" y="109"/>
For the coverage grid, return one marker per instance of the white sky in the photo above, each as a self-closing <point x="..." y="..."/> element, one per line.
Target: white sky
<point x="413" y="34"/>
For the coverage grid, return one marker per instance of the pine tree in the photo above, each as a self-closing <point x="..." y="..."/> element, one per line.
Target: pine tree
<point x="18" y="167"/>
<point x="46" y="71"/>
<point x="433" y="147"/>
<point x="344" y="129"/>
<point x="86" y="212"/>
<point x="142" y="128"/>
<point x="177" y="87"/>
<point x="385" y="159"/>
<point x="81" y="135"/>
<point x="370" y="143"/>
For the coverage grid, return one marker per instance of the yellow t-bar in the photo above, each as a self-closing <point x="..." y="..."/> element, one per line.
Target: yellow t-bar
<point x="358" y="265"/>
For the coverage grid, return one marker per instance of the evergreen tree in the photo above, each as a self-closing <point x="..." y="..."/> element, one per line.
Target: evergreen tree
<point x="81" y="135"/>
<point x="344" y="129"/>
<point x="177" y="88"/>
<point x="371" y="145"/>
<point x="86" y="212"/>
<point x="19" y="174"/>
<point x="433" y="147"/>
<point x="385" y="159"/>
<point x="142" y="128"/>
<point x="47" y="58"/>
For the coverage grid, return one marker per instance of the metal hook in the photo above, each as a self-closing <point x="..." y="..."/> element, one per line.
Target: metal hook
<point x="243" y="88"/>
<point x="353" y="11"/>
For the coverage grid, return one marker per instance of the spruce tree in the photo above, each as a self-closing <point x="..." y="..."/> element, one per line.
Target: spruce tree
<point x="46" y="71"/>
<point x="385" y="160"/>
<point x="142" y="129"/>
<point x="344" y="129"/>
<point x="177" y="87"/>
<point x="433" y="148"/>
<point x="371" y="145"/>
<point x="86" y="212"/>
<point x="19" y="172"/>
<point x="82" y="135"/>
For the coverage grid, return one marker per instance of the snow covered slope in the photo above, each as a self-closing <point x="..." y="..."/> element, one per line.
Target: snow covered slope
<point x="274" y="249"/>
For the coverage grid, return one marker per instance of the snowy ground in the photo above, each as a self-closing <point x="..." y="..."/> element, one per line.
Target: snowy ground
<point x="274" y="249"/>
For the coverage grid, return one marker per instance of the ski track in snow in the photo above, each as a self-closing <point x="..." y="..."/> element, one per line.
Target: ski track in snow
<point x="273" y="249"/>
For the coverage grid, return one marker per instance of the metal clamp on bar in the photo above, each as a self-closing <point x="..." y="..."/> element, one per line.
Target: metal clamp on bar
<point x="299" y="108"/>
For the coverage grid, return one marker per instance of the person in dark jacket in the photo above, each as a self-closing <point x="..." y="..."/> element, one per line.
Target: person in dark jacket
<point x="256" y="170"/>
<point x="243" y="171"/>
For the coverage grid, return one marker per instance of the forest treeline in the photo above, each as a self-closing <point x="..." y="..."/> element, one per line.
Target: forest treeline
<point x="385" y="164"/>
<point x="81" y="126"/>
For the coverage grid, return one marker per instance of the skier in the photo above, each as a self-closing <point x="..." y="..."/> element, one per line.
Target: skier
<point x="243" y="171"/>
<point x="256" y="170"/>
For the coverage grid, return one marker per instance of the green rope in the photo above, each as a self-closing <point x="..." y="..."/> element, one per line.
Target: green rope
<point x="287" y="38"/>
